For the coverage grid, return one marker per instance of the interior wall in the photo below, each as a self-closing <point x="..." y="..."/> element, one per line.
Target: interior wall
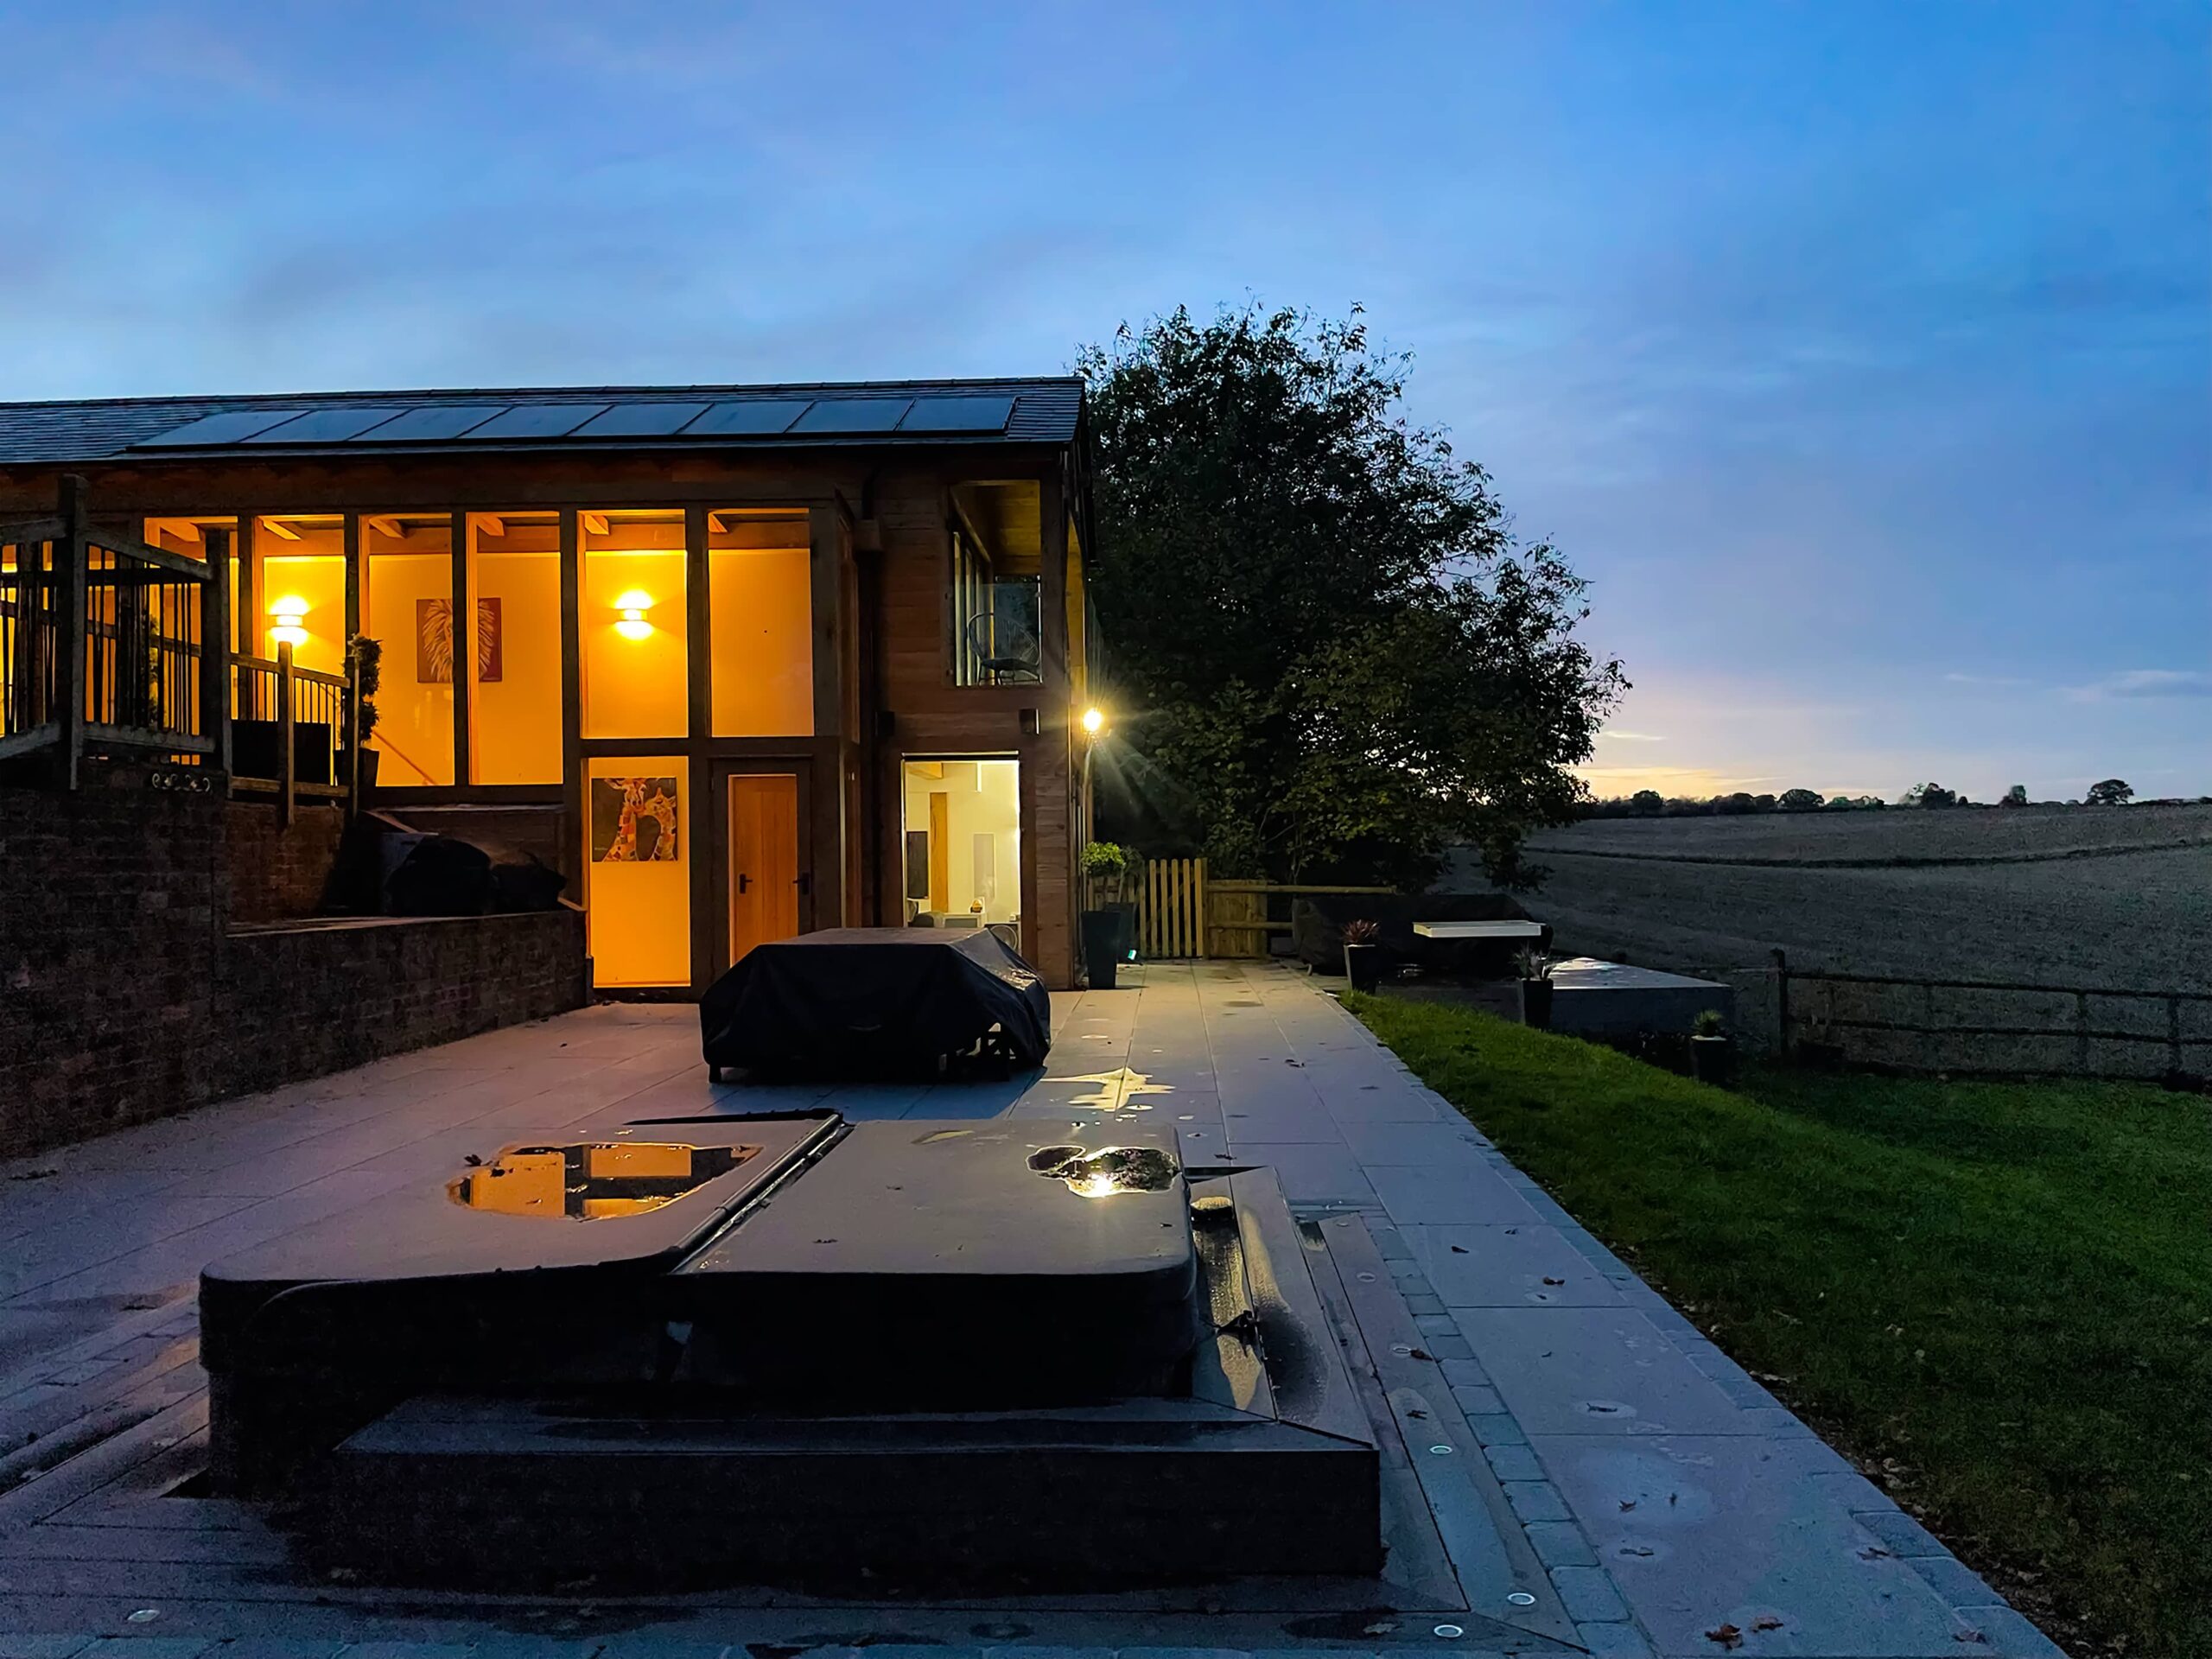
<point x="983" y="802"/>
<point x="318" y="581"/>
<point x="414" y="708"/>
<point x="763" y="671"/>
<point x="634" y="688"/>
<point x="638" y="913"/>
<point x="515" y="720"/>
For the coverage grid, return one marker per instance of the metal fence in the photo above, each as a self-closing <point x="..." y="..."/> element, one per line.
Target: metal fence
<point x="1993" y="1027"/>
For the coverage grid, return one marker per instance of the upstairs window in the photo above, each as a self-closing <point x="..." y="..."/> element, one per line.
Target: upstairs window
<point x="996" y="638"/>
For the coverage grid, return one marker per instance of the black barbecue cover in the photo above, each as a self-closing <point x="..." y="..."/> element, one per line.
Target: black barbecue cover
<point x="860" y="999"/>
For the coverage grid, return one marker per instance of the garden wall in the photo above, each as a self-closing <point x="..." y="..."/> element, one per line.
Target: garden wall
<point x="126" y="993"/>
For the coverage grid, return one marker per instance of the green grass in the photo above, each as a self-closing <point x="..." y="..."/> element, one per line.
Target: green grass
<point x="1997" y="1296"/>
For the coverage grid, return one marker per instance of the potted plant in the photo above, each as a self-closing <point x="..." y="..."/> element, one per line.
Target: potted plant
<point x="1535" y="989"/>
<point x="1364" y="955"/>
<point x="1104" y="864"/>
<point x="367" y="656"/>
<point x="1713" y="1056"/>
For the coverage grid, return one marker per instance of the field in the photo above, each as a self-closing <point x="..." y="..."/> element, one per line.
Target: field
<point x="2119" y="897"/>
<point x="1993" y="1295"/>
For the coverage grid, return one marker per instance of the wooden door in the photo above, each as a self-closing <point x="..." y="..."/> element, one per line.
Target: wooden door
<point x="940" y="851"/>
<point x="763" y="858"/>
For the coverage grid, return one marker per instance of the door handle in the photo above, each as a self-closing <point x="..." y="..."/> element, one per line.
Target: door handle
<point x="805" y="883"/>
<point x="744" y="881"/>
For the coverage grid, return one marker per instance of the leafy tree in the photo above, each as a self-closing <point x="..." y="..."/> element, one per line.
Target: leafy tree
<point x="2016" y="796"/>
<point x="1340" y="662"/>
<point x="1648" y="803"/>
<point x="2110" y="792"/>
<point x="1929" y="794"/>
<point x="1799" y="800"/>
<point x="1736" y="804"/>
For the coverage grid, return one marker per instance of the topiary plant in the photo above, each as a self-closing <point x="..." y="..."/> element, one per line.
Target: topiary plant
<point x="1707" y="1023"/>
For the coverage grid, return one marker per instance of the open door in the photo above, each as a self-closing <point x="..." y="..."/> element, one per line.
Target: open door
<point x="766" y="884"/>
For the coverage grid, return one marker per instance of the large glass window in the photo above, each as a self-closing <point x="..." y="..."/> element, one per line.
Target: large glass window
<point x="994" y="622"/>
<point x="759" y="573"/>
<point x="637" y="884"/>
<point x="302" y="562"/>
<point x="632" y="622"/>
<point x="407" y="607"/>
<point x="962" y="852"/>
<point x="514" y="701"/>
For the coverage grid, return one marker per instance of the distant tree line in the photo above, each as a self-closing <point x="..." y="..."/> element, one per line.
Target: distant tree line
<point x="1650" y="804"/>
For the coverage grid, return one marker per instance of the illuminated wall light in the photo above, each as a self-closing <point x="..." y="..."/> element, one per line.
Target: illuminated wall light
<point x="1094" y="721"/>
<point x="288" y="621"/>
<point x="633" y="605"/>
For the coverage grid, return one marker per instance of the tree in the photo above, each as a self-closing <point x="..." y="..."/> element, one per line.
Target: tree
<point x="1339" y="661"/>
<point x="1928" y="795"/>
<point x="2016" y="796"/>
<point x="1648" y="803"/>
<point x="2110" y="792"/>
<point x="1799" y="800"/>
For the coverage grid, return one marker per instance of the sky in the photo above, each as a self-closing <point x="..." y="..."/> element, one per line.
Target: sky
<point x="1859" y="355"/>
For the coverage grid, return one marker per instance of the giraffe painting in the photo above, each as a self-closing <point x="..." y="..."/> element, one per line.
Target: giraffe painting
<point x="633" y="820"/>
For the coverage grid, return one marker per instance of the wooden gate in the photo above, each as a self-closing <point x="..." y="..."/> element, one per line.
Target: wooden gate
<point x="1172" y="908"/>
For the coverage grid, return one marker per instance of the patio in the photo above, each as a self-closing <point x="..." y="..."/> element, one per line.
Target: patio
<point x="1564" y="1429"/>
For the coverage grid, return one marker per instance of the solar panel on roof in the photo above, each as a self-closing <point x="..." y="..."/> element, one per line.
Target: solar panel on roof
<point x="327" y="425"/>
<point x="431" y="425"/>
<point x="232" y="428"/>
<point x="537" y="420"/>
<point x="961" y="414"/>
<point x="756" y="417"/>
<point x="853" y="415"/>
<point x="641" y="420"/>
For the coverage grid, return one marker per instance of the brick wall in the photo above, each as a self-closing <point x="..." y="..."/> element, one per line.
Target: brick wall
<point x="124" y="996"/>
<point x="275" y="872"/>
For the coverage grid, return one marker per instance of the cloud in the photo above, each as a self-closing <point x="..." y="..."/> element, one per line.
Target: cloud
<point x="1629" y="737"/>
<point x="1983" y="679"/>
<point x="2135" y="683"/>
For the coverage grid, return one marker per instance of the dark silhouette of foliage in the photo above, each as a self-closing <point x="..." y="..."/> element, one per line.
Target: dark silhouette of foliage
<point x="1339" y="661"/>
<point x="2111" y="792"/>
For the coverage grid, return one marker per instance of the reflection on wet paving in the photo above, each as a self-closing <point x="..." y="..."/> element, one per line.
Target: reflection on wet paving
<point x="1109" y="1170"/>
<point x="1116" y="1091"/>
<point x="592" y="1180"/>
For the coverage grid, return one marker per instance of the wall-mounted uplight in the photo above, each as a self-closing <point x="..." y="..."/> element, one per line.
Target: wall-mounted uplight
<point x="631" y="607"/>
<point x="1094" y="721"/>
<point x="288" y="621"/>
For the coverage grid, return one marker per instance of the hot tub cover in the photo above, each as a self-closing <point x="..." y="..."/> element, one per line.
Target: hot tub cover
<point x="864" y="999"/>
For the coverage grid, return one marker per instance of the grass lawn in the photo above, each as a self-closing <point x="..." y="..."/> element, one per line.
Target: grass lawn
<point x="1997" y="1296"/>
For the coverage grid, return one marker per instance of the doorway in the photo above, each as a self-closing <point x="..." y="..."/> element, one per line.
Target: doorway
<point x="767" y="887"/>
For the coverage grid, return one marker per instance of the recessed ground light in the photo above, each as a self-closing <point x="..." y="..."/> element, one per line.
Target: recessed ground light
<point x="1440" y="1451"/>
<point x="1522" y="1599"/>
<point x="1449" y="1632"/>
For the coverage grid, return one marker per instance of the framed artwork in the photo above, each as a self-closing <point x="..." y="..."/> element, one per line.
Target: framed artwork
<point x="634" y="820"/>
<point x="434" y="642"/>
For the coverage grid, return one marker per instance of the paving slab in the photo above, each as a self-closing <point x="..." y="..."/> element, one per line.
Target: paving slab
<point x="1530" y="1265"/>
<point x="1702" y="1531"/>
<point x="1584" y="1370"/>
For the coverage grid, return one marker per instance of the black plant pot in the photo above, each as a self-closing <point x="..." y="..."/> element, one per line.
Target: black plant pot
<point x="1102" y="946"/>
<point x="366" y="759"/>
<point x="1536" y="1003"/>
<point x="1713" y="1059"/>
<point x="1128" y="913"/>
<point x="1363" y="966"/>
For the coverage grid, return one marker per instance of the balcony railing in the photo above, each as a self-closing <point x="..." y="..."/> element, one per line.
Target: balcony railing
<point x="111" y="646"/>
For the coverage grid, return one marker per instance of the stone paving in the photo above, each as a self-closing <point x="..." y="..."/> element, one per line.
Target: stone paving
<point x="1676" y="1508"/>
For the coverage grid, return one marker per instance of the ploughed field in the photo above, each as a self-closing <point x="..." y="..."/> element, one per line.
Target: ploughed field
<point x="2111" y="897"/>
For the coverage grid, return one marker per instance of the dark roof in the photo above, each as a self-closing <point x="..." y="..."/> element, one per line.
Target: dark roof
<point x="1042" y="410"/>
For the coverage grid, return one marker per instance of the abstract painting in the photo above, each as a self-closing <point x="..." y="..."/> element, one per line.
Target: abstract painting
<point x="434" y="642"/>
<point x="633" y="820"/>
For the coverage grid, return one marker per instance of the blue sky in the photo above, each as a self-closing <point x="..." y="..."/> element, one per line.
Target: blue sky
<point x="1860" y="355"/>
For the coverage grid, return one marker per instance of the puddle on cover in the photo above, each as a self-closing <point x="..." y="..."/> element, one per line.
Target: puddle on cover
<point x="592" y="1180"/>
<point x="1109" y="1170"/>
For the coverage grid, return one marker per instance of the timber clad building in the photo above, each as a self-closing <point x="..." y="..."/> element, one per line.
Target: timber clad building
<point x="742" y="661"/>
